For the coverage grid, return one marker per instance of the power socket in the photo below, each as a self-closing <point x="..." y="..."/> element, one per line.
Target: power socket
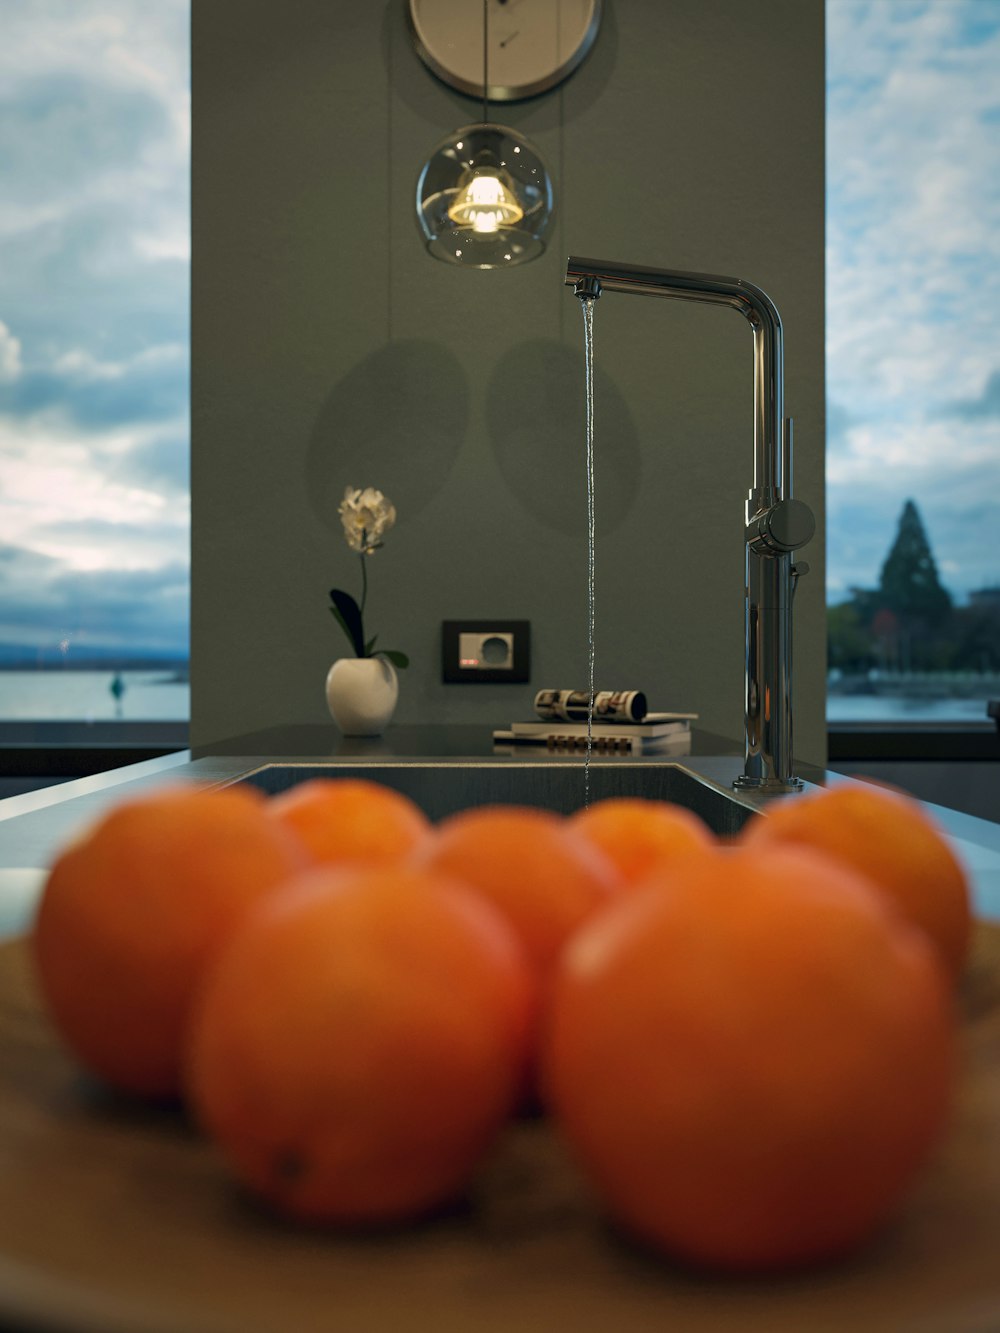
<point x="485" y="652"/>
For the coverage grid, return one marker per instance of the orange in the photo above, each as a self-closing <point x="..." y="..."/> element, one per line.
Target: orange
<point x="361" y="1043"/>
<point x="133" y="911"/>
<point x="528" y="864"/>
<point x="752" y="1066"/>
<point x="894" y="841"/>
<point x="638" y="834"/>
<point x="351" y="819"/>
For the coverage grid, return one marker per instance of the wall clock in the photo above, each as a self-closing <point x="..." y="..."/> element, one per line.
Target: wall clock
<point x="532" y="44"/>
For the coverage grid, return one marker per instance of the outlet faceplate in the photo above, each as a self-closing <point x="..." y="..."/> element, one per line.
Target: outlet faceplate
<point x="485" y="652"/>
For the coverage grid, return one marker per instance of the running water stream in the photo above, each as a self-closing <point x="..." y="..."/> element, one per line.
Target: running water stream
<point x="588" y="326"/>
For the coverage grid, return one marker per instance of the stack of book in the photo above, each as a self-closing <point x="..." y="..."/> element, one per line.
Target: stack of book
<point x="657" y="733"/>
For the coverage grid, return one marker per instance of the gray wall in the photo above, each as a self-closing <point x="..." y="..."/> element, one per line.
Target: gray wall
<point x="329" y="349"/>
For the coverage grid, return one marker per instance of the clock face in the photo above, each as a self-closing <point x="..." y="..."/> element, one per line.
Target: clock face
<point x="531" y="46"/>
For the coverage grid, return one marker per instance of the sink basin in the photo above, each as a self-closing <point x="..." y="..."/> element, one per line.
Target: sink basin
<point x="442" y="788"/>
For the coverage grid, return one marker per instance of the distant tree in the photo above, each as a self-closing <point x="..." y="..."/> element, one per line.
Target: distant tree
<point x="849" y="645"/>
<point x="908" y="623"/>
<point x="866" y="604"/>
<point x="909" y="585"/>
<point x="892" y="642"/>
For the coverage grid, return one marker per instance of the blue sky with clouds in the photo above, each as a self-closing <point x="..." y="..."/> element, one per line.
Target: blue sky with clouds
<point x="94" y="272"/>
<point x="94" y="263"/>
<point x="913" y="285"/>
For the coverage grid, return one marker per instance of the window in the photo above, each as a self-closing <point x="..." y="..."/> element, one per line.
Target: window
<point x="94" y="263"/>
<point x="913" y="358"/>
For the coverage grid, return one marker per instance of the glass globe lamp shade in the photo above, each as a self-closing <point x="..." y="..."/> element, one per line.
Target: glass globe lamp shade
<point x="484" y="199"/>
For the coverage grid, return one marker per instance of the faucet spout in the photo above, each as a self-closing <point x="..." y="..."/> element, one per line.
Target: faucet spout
<point x="756" y="307"/>
<point x="587" y="288"/>
<point x="774" y="524"/>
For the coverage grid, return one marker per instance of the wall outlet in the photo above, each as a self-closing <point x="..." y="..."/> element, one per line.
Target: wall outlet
<point x="485" y="652"/>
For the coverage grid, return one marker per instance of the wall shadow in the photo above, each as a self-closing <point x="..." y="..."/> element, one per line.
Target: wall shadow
<point x="396" y="421"/>
<point x="535" y="409"/>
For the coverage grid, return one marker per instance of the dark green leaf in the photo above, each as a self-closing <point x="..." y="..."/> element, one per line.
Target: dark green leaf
<point x="341" y="622"/>
<point x="370" y="645"/>
<point x="397" y="658"/>
<point x="348" y="614"/>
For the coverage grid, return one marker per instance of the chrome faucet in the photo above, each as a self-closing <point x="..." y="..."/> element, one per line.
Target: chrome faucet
<point x="775" y="524"/>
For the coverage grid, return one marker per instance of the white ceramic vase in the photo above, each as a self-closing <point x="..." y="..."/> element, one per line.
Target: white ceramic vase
<point x="361" y="693"/>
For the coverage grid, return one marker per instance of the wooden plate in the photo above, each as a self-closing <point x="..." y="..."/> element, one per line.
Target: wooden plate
<point x="123" y="1221"/>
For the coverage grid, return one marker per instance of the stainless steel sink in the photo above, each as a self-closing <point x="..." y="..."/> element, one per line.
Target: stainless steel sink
<point x="441" y="788"/>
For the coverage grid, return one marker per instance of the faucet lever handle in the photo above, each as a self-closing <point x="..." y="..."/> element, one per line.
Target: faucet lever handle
<point x="797" y="570"/>
<point x="784" y="527"/>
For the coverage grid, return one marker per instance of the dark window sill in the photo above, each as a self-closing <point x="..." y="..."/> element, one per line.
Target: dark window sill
<point x="79" y="749"/>
<point x="931" y="741"/>
<point x="61" y="750"/>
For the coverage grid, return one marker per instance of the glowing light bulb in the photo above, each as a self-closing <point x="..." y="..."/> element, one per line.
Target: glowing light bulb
<point x="486" y="190"/>
<point x="486" y="203"/>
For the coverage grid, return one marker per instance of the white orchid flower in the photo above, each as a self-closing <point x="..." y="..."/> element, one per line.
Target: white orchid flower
<point x="366" y="515"/>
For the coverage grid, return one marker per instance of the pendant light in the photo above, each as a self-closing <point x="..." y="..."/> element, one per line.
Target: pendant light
<point x="484" y="198"/>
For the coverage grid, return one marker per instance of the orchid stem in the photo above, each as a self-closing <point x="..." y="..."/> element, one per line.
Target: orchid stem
<point x="364" y="583"/>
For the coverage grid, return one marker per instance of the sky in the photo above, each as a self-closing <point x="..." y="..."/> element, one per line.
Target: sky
<point x="913" y="285"/>
<point x="94" y="276"/>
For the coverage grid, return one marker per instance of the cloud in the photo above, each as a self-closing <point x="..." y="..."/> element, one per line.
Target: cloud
<point x="10" y="356"/>
<point x="102" y="290"/>
<point x="913" y="284"/>
<point x="44" y="603"/>
<point x="59" y="125"/>
<point x="94" y="148"/>
<point x="115" y="500"/>
<point x="94" y="156"/>
<point x="163" y="461"/>
<point x="913" y="199"/>
<point x="838" y="423"/>
<point x="94" y="272"/>
<point x="150" y="386"/>
<point x="986" y="404"/>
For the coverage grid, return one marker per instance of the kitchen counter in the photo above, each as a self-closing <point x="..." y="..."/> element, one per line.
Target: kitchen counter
<point x="120" y="1220"/>
<point x="35" y="825"/>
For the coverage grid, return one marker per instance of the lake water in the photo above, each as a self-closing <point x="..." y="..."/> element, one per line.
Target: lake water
<point x="85" y="696"/>
<point x="152" y="696"/>
<point x="893" y="708"/>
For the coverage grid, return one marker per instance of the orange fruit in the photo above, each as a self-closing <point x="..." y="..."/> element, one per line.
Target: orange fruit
<point x="752" y="1059"/>
<point x="133" y="911"/>
<point x="528" y="864"/>
<point x="361" y="1043"/>
<point x="638" y="834"/>
<point x="351" y="819"/>
<point x="891" y="839"/>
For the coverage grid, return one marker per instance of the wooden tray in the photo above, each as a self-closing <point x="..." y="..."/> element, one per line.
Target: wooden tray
<point x="123" y="1221"/>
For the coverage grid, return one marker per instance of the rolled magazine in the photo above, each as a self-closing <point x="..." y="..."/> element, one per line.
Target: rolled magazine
<point x="574" y="705"/>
